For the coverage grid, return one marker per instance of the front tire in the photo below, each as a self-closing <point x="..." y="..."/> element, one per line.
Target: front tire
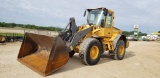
<point x="119" y="52"/>
<point x="90" y="51"/>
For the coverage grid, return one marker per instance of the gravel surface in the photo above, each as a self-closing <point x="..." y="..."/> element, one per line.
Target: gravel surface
<point x="142" y="60"/>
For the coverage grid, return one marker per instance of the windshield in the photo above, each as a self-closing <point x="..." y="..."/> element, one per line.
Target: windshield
<point x="95" y="17"/>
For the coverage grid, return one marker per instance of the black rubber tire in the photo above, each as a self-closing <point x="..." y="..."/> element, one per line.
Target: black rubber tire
<point x="85" y="48"/>
<point x="116" y="55"/>
<point x="71" y="54"/>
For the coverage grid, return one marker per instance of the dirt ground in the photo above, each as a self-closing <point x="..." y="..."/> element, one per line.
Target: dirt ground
<point x="142" y="60"/>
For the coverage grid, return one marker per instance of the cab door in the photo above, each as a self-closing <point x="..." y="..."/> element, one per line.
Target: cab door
<point x="108" y="24"/>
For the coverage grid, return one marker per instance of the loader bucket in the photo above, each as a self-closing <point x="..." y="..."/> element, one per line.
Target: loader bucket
<point x="43" y="54"/>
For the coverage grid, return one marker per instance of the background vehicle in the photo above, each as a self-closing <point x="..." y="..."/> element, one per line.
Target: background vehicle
<point x="2" y="39"/>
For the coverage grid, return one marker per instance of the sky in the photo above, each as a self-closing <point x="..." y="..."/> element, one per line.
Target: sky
<point x="145" y="13"/>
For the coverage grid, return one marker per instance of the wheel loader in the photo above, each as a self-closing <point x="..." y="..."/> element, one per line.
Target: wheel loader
<point x="46" y="54"/>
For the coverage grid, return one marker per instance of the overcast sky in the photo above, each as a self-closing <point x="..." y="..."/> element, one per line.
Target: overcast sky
<point x="145" y="13"/>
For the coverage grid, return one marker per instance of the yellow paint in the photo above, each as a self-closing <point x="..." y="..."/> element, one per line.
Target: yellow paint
<point x="104" y="47"/>
<point x="113" y="37"/>
<point x="83" y="27"/>
<point x="156" y="33"/>
<point x="106" y="33"/>
<point x="2" y="39"/>
<point x="71" y="47"/>
<point x="77" y="49"/>
<point x="94" y="52"/>
<point x="127" y="44"/>
<point x="110" y="45"/>
<point x="121" y="50"/>
<point x="95" y="30"/>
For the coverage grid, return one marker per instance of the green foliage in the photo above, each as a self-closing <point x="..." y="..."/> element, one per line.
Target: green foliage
<point x="29" y="26"/>
<point x="142" y="34"/>
<point x="12" y="34"/>
<point x="128" y="33"/>
<point x="159" y="32"/>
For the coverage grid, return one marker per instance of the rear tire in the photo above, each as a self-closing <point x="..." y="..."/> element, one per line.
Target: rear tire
<point x="71" y="54"/>
<point x="119" y="51"/>
<point x="90" y="51"/>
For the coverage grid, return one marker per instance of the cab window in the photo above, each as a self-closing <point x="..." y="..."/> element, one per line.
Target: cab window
<point x="109" y="20"/>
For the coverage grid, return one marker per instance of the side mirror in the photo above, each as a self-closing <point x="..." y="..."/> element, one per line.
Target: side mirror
<point x="105" y="12"/>
<point x="84" y="13"/>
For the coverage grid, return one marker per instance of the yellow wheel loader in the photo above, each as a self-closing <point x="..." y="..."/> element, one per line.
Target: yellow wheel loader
<point x="46" y="54"/>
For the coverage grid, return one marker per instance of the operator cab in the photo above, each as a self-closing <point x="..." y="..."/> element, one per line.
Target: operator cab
<point x="100" y="17"/>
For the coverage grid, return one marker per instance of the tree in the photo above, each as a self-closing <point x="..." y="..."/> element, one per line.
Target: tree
<point x="126" y="33"/>
<point x="29" y="26"/>
<point x="142" y="34"/>
<point x="158" y="32"/>
<point x="13" y="25"/>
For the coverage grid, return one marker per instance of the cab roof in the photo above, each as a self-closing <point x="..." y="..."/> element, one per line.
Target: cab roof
<point x="103" y="8"/>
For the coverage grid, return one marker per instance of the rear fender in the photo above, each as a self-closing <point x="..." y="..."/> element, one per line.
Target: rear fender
<point x="120" y="37"/>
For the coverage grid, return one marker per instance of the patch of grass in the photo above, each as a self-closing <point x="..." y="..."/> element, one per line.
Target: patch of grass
<point x="11" y="34"/>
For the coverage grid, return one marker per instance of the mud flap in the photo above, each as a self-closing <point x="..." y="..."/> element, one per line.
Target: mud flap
<point x="43" y="54"/>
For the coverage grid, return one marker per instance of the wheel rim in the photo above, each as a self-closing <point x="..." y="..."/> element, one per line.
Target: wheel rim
<point x="2" y="39"/>
<point x="121" y="50"/>
<point x="94" y="52"/>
